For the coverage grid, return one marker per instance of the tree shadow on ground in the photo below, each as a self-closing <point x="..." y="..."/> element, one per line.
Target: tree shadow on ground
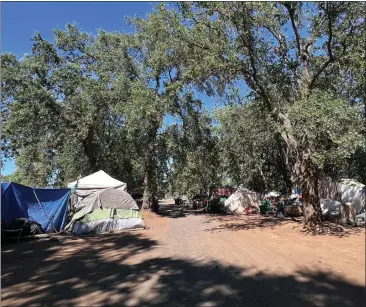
<point x="248" y="222"/>
<point x="177" y="211"/>
<point x="172" y="211"/>
<point x="119" y="270"/>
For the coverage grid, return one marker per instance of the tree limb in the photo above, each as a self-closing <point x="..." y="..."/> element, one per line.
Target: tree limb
<point x="331" y="58"/>
<point x="291" y="11"/>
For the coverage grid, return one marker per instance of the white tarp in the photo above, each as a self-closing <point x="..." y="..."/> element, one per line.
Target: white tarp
<point x="351" y="191"/>
<point x="329" y="205"/>
<point x="240" y="200"/>
<point x="93" y="184"/>
<point x="273" y="194"/>
<point x="98" y="180"/>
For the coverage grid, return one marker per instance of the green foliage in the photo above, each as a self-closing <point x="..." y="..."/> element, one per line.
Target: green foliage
<point x="82" y="103"/>
<point x="194" y="152"/>
<point x="67" y="117"/>
<point x="329" y="126"/>
<point x="284" y="53"/>
<point x="251" y="153"/>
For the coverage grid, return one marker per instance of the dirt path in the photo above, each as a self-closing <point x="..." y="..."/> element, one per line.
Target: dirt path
<point x="193" y="260"/>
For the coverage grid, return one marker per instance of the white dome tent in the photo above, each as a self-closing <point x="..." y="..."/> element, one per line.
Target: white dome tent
<point x="102" y="204"/>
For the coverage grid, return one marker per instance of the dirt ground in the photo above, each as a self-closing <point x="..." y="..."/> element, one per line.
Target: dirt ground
<point x="189" y="260"/>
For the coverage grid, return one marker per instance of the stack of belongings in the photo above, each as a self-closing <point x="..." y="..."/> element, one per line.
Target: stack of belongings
<point x="332" y="211"/>
<point x="243" y="201"/>
<point x="20" y="228"/>
<point x="360" y="219"/>
<point x="295" y="208"/>
<point x="251" y="210"/>
<point x="104" y="206"/>
<point x="273" y="194"/>
<point x="330" y="208"/>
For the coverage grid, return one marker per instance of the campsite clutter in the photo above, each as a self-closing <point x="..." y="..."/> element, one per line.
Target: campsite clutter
<point x="99" y="203"/>
<point x="96" y="203"/>
<point x="243" y="201"/>
<point x="342" y="202"/>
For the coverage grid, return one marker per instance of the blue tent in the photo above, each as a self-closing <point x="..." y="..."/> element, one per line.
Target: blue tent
<point x="19" y="201"/>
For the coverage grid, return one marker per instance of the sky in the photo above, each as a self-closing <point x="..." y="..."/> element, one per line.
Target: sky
<point x="21" y="20"/>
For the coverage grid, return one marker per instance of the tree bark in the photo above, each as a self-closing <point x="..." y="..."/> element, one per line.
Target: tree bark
<point x="306" y="175"/>
<point x="89" y="149"/>
<point x="149" y="164"/>
<point x="147" y="180"/>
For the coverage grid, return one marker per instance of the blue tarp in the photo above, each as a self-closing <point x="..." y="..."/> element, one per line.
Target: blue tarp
<point x="19" y="201"/>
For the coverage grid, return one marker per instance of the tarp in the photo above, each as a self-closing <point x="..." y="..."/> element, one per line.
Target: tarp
<point x="350" y="190"/>
<point x="330" y="206"/>
<point x="273" y="194"/>
<point x="93" y="184"/>
<point x="19" y="201"/>
<point x="107" y="225"/>
<point x="241" y="200"/>
<point x="108" y="198"/>
<point x="98" y="180"/>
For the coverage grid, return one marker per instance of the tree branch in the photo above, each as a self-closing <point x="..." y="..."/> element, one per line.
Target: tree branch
<point x="331" y="57"/>
<point x="283" y="49"/>
<point x="291" y="12"/>
<point x="313" y="35"/>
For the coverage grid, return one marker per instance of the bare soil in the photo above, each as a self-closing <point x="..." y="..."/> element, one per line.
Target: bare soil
<point x="186" y="259"/>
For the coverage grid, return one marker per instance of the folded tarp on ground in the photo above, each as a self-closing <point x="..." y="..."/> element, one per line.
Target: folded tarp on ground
<point x="19" y="201"/>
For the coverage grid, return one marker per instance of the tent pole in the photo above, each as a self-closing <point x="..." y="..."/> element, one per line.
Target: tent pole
<point x="44" y="211"/>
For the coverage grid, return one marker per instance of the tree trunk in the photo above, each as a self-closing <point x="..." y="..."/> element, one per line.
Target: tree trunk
<point x="284" y="162"/>
<point x="149" y="170"/>
<point x="89" y="149"/>
<point x="306" y="175"/>
<point x="147" y="180"/>
<point x="145" y="200"/>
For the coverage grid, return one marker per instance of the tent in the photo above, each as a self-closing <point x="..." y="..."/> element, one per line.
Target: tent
<point x="241" y="200"/>
<point x="102" y="205"/>
<point x="106" y="210"/>
<point x="93" y="184"/>
<point x="98" y="180"/>
<point x="48" y="207"/>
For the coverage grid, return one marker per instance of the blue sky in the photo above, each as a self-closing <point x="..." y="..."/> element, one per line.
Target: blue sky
<point x="21" y="20"/>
